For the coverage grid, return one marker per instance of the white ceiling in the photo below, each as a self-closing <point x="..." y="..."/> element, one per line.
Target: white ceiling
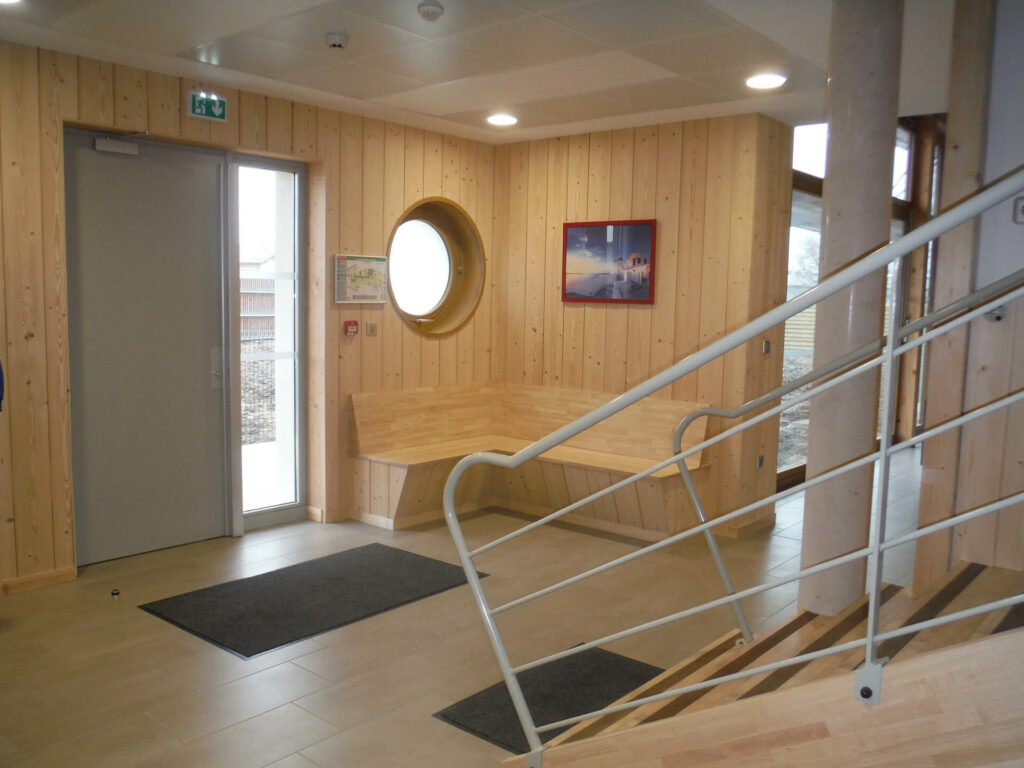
<point x="562" y="66"/>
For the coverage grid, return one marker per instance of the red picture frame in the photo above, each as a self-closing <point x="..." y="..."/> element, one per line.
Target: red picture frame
<point x="609" y="262"/>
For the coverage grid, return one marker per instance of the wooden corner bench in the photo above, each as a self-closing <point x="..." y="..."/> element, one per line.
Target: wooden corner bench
<point x="409" y="441"/>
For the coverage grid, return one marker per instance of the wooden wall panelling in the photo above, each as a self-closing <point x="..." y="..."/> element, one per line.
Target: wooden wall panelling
<point x="536" y="484"/>
<point x="317" y="470"/>
<point x="983" y="442"/>
<point x="666" y="211"/>
<point x="554" y="481"/>
<point x="578" y="485"/>
<point x="557" y="186"/>
<point x="353" y="491"/>
<point x="450" y="188"/>
<point x="304" y="131"/>
<point x="58" y="102"/>
<point x="8" y="534"/>
<point x="604" y="507"/>
<point x="279" y="126"/>
<point x="95" y="93"/>
<point x="644" y="206"/>
<point x="499" y="260"/>
<point x="394" y="204"/>
<point x="963" y="165"/>
<point x="627" y="502"/>
<point x="466" y="337"/>
<point x="335" y="409"/>
<point x="595" y="315"/>
<point x="620" y="202"/>
<point x="194" y="129"/>
<point x="484" y="211"/>
<point x="379" y="491"/>
<point x="252" y="121"/>
<point x="690" y="261"/>
<point x="1010" y="530"/>
<point x="163" y="105"/>
<point x="226" y="134"/>
<point x="412" y="347"/>
<point x="131" y="100"/>
<point x="433" y="186"/>
<point x="373" y="245"/>
<point x="574" y="315"/>
<point x="536" y="241"/>
<point x="396" y="481"/>
<point x="651" y="499"/>
<point x="24" y="304"/>
<point x="515" y="277"/>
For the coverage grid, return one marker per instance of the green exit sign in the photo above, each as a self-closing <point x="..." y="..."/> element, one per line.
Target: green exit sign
<point x="208" y="106"/>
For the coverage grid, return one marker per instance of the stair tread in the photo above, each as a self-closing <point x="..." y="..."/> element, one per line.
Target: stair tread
<point x="991" y="584"/>
<point x="663" y="682"/>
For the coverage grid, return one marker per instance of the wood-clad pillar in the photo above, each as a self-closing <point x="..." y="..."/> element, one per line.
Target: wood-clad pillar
<point x="970" y="71"/>
<point x="861" y="105"/>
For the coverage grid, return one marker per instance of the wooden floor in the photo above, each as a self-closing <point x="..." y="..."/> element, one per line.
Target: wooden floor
<point x="87" y="681"/>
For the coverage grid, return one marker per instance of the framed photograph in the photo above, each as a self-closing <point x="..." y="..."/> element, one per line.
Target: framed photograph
<point x="360" y="279"/>
<point x="609" y="261"/>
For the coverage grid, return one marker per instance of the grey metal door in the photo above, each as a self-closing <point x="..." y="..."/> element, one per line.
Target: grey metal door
<point x="145" y="309"/>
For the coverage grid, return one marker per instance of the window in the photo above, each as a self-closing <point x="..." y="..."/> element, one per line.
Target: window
<point x="435" y="266"/>
<point x="421" y="267"/>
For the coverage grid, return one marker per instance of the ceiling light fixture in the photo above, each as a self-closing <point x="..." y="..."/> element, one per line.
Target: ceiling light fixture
<point x="502" y="119"/>
<point x="9" y="2"/>
<point x="766" y="80"/>
<point x="430" y="10"/>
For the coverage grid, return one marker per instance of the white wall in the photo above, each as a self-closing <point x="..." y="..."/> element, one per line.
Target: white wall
<point x="1001" y="248"/>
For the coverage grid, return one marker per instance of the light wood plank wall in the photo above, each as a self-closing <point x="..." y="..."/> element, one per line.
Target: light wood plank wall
<point x="352" y="207"/>
<point x="720" y="190"/>
<point x="716" y="187"/>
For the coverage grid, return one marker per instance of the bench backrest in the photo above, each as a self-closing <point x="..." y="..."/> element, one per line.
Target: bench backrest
<point x="412" y="417"/>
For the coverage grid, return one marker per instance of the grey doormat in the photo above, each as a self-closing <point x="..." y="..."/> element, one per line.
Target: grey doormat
<point x="585" y="682"/>
<point x="263" y="612"/>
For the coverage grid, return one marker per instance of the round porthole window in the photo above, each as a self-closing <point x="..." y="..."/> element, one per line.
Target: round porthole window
<point x="420" y="267"/>
<point x="435" y="266"/>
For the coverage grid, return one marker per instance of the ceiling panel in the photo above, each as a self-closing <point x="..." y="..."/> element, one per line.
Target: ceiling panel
<point x="171" y="27"/>
<point x="727" y="48"/>
<point x="432" y="62"/>
<point x="668" y="93"/>
<point x="640" y="21"/>
<point x="41" y="11"/>
<point x="459" y="15"/>
<point x="575" y="107"/>
<point x="262" y="57"/>
<point x="527" y="41"/>
<point x="582" y="75"/>
<point x="354" y="81"/>
<point x="733" y="82"/>
<point x="308" y="29"/>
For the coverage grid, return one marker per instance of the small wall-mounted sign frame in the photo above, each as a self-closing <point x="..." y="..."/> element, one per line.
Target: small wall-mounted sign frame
<point x="360" y="279"/>
<point x="207" y="106"/>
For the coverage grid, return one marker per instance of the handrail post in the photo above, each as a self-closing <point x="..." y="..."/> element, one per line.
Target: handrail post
<point x="723" y="572"/>
<point x="473" y="579"/>
<point x="868" y="679"/>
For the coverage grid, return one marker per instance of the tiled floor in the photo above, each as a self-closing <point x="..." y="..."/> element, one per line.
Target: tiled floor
<point x="87" y="681"/>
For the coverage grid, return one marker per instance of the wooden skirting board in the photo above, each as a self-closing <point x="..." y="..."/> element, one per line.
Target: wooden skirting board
<point x="36" y="581"/>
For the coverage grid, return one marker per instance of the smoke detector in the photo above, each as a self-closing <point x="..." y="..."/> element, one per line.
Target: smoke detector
<point x="336" y="40"/>
<point x="430" y="10"/>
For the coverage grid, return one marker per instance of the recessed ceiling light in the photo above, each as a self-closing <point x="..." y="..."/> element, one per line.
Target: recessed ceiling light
<point x="766" y="80"/>
<point x="9" y="2"/>
<point x="501" y="118"/>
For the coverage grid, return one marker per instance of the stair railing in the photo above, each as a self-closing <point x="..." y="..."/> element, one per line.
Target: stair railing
<point x="882" y="353"/>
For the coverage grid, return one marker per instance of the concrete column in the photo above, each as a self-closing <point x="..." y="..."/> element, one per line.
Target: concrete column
<point x="861" y="107"/>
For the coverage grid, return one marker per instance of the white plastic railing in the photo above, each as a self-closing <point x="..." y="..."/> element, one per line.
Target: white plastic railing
<point x="883" y="353"/>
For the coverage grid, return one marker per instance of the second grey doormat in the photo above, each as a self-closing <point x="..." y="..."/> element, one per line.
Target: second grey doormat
<point x="567" y="687"/>
<point x="263" y="612"/>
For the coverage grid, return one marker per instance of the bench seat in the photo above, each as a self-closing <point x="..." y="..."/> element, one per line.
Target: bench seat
<point x="409" y="441"/>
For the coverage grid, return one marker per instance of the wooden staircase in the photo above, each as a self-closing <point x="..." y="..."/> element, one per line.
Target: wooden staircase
<point x="965" y="586"/>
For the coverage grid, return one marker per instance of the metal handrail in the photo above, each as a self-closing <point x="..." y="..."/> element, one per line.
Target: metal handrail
<point x="1005" y="187"/>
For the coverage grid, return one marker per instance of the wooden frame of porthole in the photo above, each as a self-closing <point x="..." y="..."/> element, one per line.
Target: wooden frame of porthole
<point x="466" y="255"/>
